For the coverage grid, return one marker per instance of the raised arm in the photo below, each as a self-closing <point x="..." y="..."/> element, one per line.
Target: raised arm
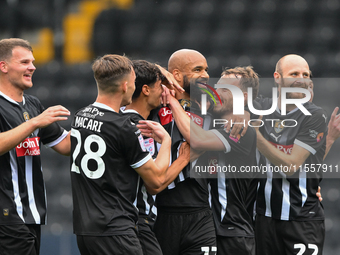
<point x="180" y="116"/>
<point x="170" y="81"/>
<point x="154" y="173"/>
<point x="292" y="161"/>
<point x="64" y="147"/>
<point x="333" y="130"/>
<point x="175" y="168"/>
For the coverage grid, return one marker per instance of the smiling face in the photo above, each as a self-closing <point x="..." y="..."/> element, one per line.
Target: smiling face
<point x="19" y="68"/>
<point x="293" y="72"/>
<point x="187" y="65"/>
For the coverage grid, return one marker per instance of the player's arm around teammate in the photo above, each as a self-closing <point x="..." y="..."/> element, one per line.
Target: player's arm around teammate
<point x="154" y="172"/>
<point x="293" y="161"/>
<point x="13" y="137"/>
<point x="172" y="172"/>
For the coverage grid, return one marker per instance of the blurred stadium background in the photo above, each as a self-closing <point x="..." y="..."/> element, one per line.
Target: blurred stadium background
<point x="67" y="35"/>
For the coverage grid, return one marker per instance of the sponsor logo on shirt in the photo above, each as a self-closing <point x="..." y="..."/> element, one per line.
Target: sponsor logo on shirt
<point x="275" y="137"/>
<point x="195" y="118"/>
<point x="165" y="115"/>
<point x="92" y="112"/>
<point x="141" y="142"/>
<point x="284" y="148"/>
<point x="149" y="146"/>
<point x="319" y="137"/>
<point x="28" y="147"/>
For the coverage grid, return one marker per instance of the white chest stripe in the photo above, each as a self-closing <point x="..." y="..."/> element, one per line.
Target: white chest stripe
<point x="29" y="181"/>
<point x="267" y="190"/>
<point x="15" y="183"/>
<point x="222" y="193"/>
<point x="285" y="201"/>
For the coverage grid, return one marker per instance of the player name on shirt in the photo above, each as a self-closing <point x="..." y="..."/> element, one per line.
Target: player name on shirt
<point x="89" y="113"/>
<point x="83" y="122"/>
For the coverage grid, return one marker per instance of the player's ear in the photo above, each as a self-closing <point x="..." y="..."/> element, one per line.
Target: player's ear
<point x="245" y="96"/>
<point x="146" y="90"/>
<point x="3" y="66"/>
<point x="124" y="87"/>
<point x="178" y="75"/>
<point x="277" y="77"/>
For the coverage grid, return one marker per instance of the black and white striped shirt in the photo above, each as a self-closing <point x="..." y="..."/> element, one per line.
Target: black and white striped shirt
<point x="145" y="202"/>
<point x="22" y="189"/>
<point x="231" y="190"/>
<point x="294" y="197"/>
<point x="183" y="191"/>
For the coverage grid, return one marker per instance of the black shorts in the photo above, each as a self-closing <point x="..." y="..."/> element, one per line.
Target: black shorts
<point x="20" y="239"/>
<point x="147" y="237"/>
<point x="288" y="237"/>
<point x="235" y="245"/>
<point x="190" y="233"/>
<point x="108" y="245"/>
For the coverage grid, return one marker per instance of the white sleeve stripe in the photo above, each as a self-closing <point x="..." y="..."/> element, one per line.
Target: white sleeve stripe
<point x="141" y="162"/>
<point x="306" y="146"/>
<point x="55" y="142"/>
<point x="223" y="140"/>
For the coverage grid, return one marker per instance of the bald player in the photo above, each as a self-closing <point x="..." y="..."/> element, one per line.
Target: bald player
<point x="184" y="222"/>
<point x="290" y="217"/>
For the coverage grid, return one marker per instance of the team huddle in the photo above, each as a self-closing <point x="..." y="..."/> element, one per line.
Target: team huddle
<point x="133" y="152"/>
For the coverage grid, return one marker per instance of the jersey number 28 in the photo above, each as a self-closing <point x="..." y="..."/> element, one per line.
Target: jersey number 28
<point x="89" y="155"/>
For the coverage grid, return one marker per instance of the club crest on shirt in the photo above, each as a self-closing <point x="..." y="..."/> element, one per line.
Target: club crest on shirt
<point x="278" y="127"/>
<point x="5" y="212"/>
<point x="185" y="103"/>
<point x="26" y="116"/>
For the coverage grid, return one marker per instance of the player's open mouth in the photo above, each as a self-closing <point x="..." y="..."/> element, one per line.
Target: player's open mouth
<point x="28" y="76"/>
